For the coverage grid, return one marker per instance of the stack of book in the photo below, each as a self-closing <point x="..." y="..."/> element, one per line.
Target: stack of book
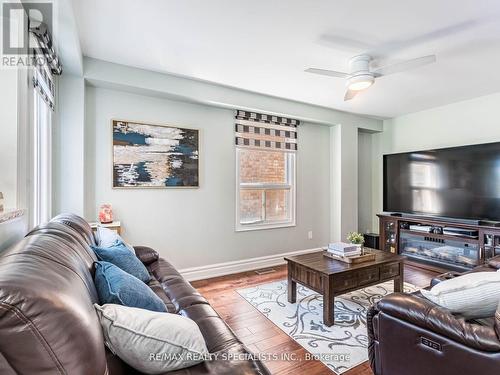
<point x="343" y="249"/>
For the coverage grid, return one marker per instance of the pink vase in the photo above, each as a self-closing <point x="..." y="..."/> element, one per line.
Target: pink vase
<point x="105" y="214"/>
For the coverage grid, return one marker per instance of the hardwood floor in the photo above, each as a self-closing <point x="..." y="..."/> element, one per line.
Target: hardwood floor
<point x="259" y="334"/>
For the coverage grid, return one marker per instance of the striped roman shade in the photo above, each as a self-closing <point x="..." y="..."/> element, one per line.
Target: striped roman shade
<point x="47" y="63"/>
<point x="257" y="130"/>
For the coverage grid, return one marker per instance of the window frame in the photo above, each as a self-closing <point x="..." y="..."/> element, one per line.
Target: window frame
<point x="42" y="160"/>
<point x="41" y="125"/>
<point x="291" y="185"/>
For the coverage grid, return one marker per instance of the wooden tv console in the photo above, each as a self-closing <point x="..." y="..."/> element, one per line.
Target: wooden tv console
<point x="410" y="236"/>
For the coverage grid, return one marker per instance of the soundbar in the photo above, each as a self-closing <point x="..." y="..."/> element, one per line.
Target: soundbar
<point x="460" y="232"/>
<point x="484" y="223"/>
<point x="451" y="231"/>
<point x="489" y="223"/>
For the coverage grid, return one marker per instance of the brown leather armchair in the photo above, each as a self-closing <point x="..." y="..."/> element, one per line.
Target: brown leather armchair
<point x="409" y="335"/>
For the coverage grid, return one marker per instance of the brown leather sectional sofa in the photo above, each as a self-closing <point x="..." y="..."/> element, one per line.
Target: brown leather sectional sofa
<point x="47" y="320"/>
<point x="409" y="335"/>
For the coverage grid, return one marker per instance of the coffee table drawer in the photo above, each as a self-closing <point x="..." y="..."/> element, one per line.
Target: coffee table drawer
<point x="389" y="270"/>
<point x="368" y="276"/>
<point x="344" y="282"/>
<point x="307" y="277"/>
<point x="356" y="279"/>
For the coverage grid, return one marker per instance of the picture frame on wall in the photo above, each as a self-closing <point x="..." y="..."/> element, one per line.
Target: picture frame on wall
<point x="149" y="155"/>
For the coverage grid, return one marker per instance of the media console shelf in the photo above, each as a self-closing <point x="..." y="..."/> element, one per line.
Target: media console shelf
<point x="437" y="244"/>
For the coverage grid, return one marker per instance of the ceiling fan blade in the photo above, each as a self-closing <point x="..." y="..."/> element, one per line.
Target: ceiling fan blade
<point x="339" y="42"/>
<point x="325" y="72"/>
<point x="356" y="42"/>
<point x="349" y="94"/>
<point x="405" y="65"/>
<point x="385" y="49"/>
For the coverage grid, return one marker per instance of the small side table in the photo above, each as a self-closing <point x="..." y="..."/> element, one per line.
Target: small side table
<point x="115" y="225"/>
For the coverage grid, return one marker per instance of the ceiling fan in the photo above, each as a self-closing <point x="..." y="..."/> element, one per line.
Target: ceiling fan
<point x="360" y="77"/>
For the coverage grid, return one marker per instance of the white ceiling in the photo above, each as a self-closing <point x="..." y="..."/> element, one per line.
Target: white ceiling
<point x="264" y="46"/>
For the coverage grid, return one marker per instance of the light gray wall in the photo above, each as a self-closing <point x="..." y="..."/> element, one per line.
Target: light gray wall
<point x="195" y="227"/>
<point x="365" y="190"/>
<point x="69" y="146"/>
<point x="8" y="139"/>
<point x="343" y="126"/>
<point x="344" y="181"/>
<point x="9" y="126"/>
<point x="328" y="178"/>
<point x="145" y="82"/>
<point x="13" y="139"/>
<point x="10" y="100"/>
<point x="468" y="122"/>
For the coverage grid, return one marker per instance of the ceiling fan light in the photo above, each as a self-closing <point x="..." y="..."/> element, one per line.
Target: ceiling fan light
<point x="361" y="82"/>
<point x="358" y="86"/>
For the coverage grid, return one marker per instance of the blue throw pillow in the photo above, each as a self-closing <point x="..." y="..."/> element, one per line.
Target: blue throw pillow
<point x="121" y="257"/>
<point x="117" y="286"/>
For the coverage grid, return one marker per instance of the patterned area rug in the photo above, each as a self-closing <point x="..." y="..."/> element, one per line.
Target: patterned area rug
<point x="340" y="347"/>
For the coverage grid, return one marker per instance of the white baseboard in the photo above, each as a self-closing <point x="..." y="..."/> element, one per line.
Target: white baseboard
<point x="227" y="268"/>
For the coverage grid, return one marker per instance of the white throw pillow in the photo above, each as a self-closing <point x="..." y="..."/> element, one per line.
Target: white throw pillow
<point x="106" y="237"/>
<point x="151" y="342"/>
<point x="475" y="295"/>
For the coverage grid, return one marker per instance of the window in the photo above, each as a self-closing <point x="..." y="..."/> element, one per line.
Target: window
<point x="42" y="103"/>
<point x="266" y="189"/>
<point x="42" y="171"/>
<point x="265" y="173"/>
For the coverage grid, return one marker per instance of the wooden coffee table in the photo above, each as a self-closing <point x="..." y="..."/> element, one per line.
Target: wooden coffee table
<point x="332" y="278"/>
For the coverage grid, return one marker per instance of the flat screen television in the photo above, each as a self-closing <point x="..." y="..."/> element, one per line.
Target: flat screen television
<point x="458" y="182"/>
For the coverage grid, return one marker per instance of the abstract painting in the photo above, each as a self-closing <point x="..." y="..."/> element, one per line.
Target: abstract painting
<point x="146" y="155"/>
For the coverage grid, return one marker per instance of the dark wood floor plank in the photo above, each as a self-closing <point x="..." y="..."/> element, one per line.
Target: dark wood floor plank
<point x="262" y="336"/>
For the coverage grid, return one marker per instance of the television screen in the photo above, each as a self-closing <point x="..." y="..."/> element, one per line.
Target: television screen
<point x="459" y="182"/>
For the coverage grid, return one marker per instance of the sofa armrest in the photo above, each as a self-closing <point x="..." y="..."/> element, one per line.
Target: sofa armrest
<point x="146" y="254"/>
<point x="372" y="331"/>
<point x="494" y="262"/>
<point x="425" y="314"/>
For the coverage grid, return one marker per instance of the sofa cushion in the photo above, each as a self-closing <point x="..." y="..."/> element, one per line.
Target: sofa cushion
<point x="75" y="242"/>
<point x="47" y="320"/>
<point x="474" y="295"/>
<point x="182" y="294"/>
<point x="218" y="335"/>
<point x="146" y="254"/>
<point x="106" y="237"/>
<point x="120" y="256"/>
<point x="163" y="271"/>
<point x="240" y="363"/>
<point x="151" y="342"/>
<point x="117" y="286"/>
<point x="158" y="290"/>
<point x="78" y="224"/>
<point x="178" y="290"/>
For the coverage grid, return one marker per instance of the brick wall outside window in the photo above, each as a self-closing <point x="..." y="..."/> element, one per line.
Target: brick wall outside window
<point x="262" y="167"/>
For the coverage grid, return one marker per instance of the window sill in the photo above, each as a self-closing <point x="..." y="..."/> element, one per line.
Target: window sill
<point x="9" y="215"/>
<point x="253" y="227"/>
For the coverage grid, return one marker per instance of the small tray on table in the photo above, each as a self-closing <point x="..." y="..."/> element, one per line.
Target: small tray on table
<point x="365" y="256"/>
